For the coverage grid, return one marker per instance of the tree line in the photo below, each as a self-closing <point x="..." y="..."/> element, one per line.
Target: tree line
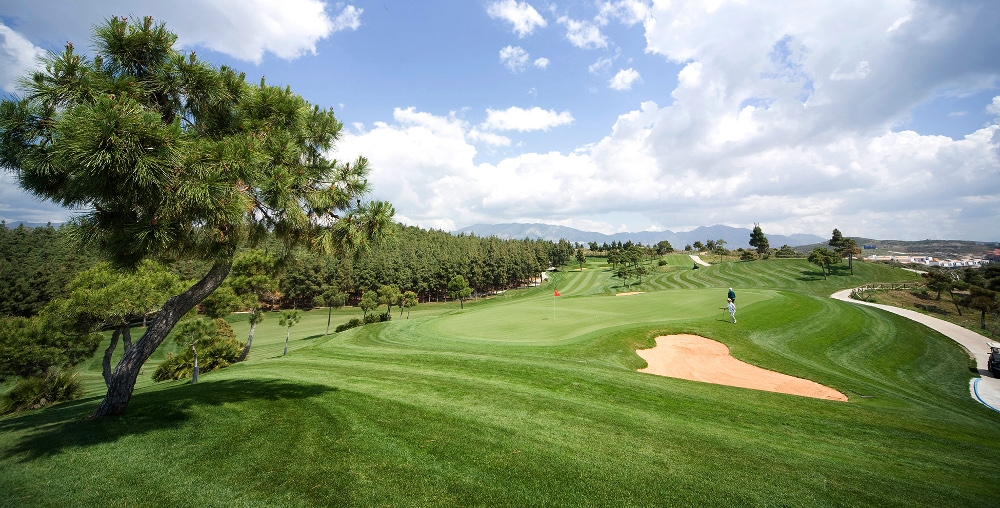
<point x="40" y="263"/>
<point x="425" y="262"/>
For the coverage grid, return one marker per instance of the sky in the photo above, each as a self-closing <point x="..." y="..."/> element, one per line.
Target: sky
<point x="876" y="117"/>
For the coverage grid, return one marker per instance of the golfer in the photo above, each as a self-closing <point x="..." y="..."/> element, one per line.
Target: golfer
<point x="732" y="295"/>
<point x="731" y="307"/>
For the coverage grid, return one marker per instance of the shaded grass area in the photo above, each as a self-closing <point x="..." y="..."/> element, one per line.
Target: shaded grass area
<point x="494" y="406"/>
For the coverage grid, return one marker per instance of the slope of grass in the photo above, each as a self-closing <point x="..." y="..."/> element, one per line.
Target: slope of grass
<point x="499" y="404"/>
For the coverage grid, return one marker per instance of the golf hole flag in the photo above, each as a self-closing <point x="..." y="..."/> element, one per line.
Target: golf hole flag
<point x="557" y="292"/>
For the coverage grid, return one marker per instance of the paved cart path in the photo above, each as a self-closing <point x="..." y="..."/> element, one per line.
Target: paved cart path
<point x="986" y="389"/>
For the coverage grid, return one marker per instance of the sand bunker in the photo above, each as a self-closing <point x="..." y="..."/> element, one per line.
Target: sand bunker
<point x="632" y="293"/>
<point x="700" y="359"/>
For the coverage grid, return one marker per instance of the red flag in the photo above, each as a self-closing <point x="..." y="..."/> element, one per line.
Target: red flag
<point x="557" y="293"/>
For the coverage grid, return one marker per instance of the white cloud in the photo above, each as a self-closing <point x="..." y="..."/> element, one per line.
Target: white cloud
<point x="489" y="138"/>
<point x="514" y="58"/>
<point x="583" y="34"/>
<point x="600" y="66"/>
<point x="522" y="120"/>
<point x="449" y="127"/>
<point x="994" y="107"/>
<point x="243" y="29"/>
<point x="523" y="16"/>
<point x="17" y="57"/>
<point x="628" y="12"/>
<point x="348" y="19"/>
<point x="248" y="29"/>
<point x="860" y="71"/>
<point x="625" y="79"/>
<point x="542" y="62"/>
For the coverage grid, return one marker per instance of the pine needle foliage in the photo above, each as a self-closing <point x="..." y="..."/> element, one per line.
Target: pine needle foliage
<point x="167" y="156"/>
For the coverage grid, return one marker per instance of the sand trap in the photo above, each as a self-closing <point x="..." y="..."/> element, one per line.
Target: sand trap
<point x="700" y="359"/>
<point x="632" y="293"/>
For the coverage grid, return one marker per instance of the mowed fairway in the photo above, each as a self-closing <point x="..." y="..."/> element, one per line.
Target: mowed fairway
<point x="550" y="319"/>
<point x="527" y="399"/>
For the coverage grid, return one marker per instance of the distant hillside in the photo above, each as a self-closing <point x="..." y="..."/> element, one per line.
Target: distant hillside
<point x="936" y="248"/>
<point x="734" y="237"/>
<point x="14" y="225"/>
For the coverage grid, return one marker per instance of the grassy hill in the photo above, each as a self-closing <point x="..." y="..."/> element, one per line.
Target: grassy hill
<point x="527" y="399"/>
<point x="937" y="248"/>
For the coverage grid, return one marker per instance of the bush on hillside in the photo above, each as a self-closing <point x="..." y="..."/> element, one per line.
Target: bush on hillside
<point x="354" y="322"/>
<point x="377" y="318"/>
<point x="217" y="348"/>
<point x="35" y="392"/>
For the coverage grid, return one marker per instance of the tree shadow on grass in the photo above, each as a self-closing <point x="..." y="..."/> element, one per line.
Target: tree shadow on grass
<point x="934" y="309"/>
<point x="810" y="275"/>
<point x="67" y="426"/>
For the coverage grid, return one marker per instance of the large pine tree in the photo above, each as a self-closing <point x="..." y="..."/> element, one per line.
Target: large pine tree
<point x="166" y="156"/>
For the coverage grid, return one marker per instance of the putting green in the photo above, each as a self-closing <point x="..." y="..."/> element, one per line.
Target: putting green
<point x="558" y="320"/>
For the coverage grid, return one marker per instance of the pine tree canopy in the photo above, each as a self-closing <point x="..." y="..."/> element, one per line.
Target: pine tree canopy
<point x="166" y="155"/>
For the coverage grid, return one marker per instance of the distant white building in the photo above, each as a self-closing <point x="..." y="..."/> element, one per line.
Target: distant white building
<point x="873" y="257"/>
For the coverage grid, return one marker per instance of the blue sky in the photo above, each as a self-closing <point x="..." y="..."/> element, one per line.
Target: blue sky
<point x="878" y="118"/>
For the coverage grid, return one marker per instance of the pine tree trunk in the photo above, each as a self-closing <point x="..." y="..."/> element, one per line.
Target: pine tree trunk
<point x="959" y="309"/>
<point x="106" y="364"/>
<point x="124" y="376"/>
<point x="253" y="326"/>
<point x="329" y="316"/>
<point x="123" y="331"/>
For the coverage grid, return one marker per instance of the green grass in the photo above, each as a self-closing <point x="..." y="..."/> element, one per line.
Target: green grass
<point x="526" y="399"/>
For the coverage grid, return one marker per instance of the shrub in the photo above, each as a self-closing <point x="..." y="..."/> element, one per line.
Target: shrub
<point x="354" y="322"/>
<point x="39" y="391"/>
<point x="377" y="318"/>
<point x="174" y="367"/>
<point x="217" y="348"/>
<point x="662" y="262"/>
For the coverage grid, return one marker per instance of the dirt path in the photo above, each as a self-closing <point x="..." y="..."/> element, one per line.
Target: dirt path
<point x="699" y="359"/>
<point x="985" y="389"/>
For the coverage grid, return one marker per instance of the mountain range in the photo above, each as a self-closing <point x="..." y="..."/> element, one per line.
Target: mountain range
<point x="734" y="237"/>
